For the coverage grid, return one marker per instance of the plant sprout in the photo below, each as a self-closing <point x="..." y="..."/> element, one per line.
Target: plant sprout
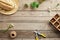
<point x="9" y="26"/>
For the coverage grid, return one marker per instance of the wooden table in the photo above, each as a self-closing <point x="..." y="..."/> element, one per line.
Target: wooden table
<point x="27" y="20"/>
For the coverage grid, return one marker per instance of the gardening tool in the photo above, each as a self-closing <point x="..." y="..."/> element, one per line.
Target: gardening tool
<point x="38" y="34"/>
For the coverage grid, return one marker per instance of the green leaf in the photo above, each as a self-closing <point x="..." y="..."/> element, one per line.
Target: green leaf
<point x="34" y="4"/>
<point x="37" y="5"/>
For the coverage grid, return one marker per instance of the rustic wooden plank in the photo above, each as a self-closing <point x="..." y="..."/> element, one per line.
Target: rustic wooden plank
<point x="33" y="13"/>
<point x="45" y="39"/>
<point x="28" y="18"/>
<point x="11" y="19"/>
<point x="40" y="17"/>
<point x="10" y="39"/>
<point x="30" y="34"/>
<point x="30" y="39"/>
<point x="27" y="26"/>
<point x="26" y="15"/>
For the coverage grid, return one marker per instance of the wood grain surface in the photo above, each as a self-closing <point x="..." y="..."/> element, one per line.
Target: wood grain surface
<point x="27" y="20"/>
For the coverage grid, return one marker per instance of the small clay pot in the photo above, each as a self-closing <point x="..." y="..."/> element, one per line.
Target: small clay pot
<point x="13" y="34"/>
